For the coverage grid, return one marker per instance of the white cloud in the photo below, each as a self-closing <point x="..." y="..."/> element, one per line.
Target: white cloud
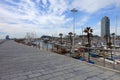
<point x="92" y="6"/>
<point x="83" y="21"/>
<point x="27" y="15"/>
<point x="44" y="2"/>
<point x="97" y="28"/>
<point x="58" y="6"/>
<point x="117" y="2"/>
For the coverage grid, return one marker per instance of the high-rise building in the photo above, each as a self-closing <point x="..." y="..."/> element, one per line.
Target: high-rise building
<point x="105" y="27"/>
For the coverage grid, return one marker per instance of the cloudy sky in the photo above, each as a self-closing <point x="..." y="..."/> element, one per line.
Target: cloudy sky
<point x="51" y="17"/>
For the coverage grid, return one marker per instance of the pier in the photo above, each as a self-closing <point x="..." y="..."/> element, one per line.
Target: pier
<point x="22" y="62"/>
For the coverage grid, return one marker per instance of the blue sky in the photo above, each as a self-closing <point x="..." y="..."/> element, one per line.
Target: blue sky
<point x="51" y="17"/>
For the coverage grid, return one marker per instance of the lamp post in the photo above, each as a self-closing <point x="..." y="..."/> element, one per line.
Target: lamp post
<point x="73" y="44"/>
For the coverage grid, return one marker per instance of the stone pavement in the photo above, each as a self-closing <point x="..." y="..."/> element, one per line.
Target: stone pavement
<point x="21" y="62"/>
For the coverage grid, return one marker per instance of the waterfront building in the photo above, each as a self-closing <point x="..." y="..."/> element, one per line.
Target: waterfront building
<point x="105" y="27"/>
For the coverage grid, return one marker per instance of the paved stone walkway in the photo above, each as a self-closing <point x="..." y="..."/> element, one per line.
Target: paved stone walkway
<point x="20" y="62"/>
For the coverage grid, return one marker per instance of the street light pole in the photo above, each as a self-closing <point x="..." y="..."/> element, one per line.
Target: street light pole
<point x="73" y="10"/>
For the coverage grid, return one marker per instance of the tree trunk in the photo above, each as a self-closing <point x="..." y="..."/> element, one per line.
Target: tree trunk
<point x="88" y="35"/>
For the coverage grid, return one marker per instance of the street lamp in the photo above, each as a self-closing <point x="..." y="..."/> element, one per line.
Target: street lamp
<point x="73" y="10"/>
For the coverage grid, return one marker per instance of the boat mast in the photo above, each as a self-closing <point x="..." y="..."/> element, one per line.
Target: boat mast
<point x="116" y="32"/>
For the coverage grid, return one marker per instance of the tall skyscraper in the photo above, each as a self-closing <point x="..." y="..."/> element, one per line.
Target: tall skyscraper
<point x="105" y="27"/>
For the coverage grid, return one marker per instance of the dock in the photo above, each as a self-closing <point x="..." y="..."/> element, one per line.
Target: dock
<point x="22" y="62"/>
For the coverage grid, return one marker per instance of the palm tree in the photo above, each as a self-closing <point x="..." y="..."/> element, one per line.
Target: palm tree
<point x="89" y="31"/>
<point x="61" y="39"/>
<point x="113" y="36"/>
<point x="61" y="36"/>
<point x="70" y="36"/>
<point x="107" y="40"/>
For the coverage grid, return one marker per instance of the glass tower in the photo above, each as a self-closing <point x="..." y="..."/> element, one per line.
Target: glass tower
<point x="105" y="27"/>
